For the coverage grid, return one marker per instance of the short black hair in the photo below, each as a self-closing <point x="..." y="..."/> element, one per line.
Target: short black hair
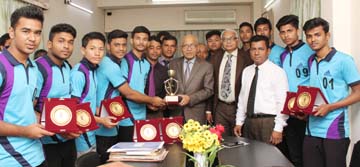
<point x="258" y="38"/>
<point x="4" y="38"/>
<point x="155" y="38"/>
<point x="246" y="24"/>
<point x="90" y="36"/>
<point x="163" y="33"/>
<point x="262" y="20"/>
<point x="288" y="19"/>
<point x="140" y="29"/>
<point x="116" y="34"/>
<point x="211" y="33"/>
<point x="29" y="12"/>
<point x="38" y="53"/>
<point x="169" y="38"/>
<point x="62" y="27"/>
<point x="315" y="22"/>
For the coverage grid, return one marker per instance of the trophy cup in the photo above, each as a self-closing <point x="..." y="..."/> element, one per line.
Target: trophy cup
<point x="171" y="88"/>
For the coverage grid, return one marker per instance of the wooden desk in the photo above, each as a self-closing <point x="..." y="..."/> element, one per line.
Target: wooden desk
<point x="256" y="154"/>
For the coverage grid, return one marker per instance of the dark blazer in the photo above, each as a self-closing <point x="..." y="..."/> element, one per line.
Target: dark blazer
<point x="199" y="87"/>
<point x="243" y="60"/>
<point x="160" y="75"/>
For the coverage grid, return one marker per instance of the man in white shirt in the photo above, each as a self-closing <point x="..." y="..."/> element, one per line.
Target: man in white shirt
<point x="262" y="96"/>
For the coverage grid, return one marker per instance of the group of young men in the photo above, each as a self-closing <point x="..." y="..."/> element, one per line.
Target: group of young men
<point x="242" y="89"/>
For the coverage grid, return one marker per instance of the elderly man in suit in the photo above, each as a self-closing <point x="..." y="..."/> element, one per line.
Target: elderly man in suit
<point x="228" y="66"/>
<point x="195" y="78"/>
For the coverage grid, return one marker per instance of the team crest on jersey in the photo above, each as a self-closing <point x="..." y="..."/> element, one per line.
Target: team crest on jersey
<point x="300" y="66"/>
<point x="327" y="74"/>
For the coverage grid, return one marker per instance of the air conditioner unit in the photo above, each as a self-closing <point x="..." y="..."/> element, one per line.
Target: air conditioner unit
<point x="210" y="16"/>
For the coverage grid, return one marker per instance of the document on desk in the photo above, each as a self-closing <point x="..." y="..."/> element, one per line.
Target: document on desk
<point x="136" y="146"/>
<point x="234" y="144"/>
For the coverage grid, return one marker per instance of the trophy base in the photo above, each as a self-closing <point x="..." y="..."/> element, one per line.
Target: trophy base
<point x="172" y="100"/>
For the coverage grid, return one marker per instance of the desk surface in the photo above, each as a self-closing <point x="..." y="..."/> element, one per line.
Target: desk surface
<point x="256" y="154"/>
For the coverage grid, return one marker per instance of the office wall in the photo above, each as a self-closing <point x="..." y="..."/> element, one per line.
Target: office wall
<point x="169" y="18"/>
<point x="82" y="21"/>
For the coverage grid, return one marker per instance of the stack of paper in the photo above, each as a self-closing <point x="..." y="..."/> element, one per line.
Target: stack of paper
<point x="138" y="151"/>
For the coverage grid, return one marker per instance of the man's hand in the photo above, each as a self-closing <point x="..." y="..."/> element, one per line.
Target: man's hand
<point x="35" y="131"/>
<point x="209" y="118"/>
<point x="185" y="100"/>
<point x="276" y="138"/>
<point x="237" y="130"/>
<point x="157" y="102"/>
<point x="70" y="135"/>
<point x="322" y="110"/>
<point x="153" y="108"/>
<point x="108" y="121"/>
<point x="115" y="164"/>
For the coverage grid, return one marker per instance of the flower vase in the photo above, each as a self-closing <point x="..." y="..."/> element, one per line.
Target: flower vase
<point x="201" y="160"/>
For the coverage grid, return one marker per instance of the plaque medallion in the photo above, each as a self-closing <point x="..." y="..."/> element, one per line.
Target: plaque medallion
<point x="173" y="130"/>
<point x="304" y="100"/>
<point x="291" y="103"/>
<point x="148" y="132"/>
<point x="116" y="108"/>
<point x="61" y="115"/>
<point x="83" y="118"/>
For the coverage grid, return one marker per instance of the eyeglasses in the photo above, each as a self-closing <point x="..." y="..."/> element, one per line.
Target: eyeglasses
<point x="191" y="46"/>
<point x="231" y="39"/>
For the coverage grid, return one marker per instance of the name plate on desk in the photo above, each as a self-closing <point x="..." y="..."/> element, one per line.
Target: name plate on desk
<point x="288" y="108"/>
<point x="147" y="130"/>
<point x="58" y="115"/>
<point x="114" y="107"/>
<point x="307" y="98"/>
<point x="84" y="117"/>
<point x="171" y="128"/>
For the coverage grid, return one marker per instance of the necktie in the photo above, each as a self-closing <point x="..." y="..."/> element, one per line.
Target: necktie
<point x="252" y="93"/>
<point x="166" y="63"/>
<point x="225" y="84"/>
<point x="187" y="70"/>
<point x="151" y="92"/>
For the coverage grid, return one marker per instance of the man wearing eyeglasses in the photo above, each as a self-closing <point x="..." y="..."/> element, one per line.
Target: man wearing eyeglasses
<point x="228" y="66"/>
<point x="195" y="78"/>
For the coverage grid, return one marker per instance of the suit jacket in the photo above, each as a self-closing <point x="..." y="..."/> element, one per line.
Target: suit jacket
<point x="160" y="75"/>
<point x="243" y="60"/>
<point x="199" y="87"/>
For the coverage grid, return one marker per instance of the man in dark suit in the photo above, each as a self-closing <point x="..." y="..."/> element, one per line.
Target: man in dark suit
<point x="157" y="76"/>
<point x="228" y="66"/>
<point x="195" y="78"/>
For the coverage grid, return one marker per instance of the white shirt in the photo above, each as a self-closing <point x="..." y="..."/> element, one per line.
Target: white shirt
<point x="231" y="97"/>
<point x="270" y="95"/>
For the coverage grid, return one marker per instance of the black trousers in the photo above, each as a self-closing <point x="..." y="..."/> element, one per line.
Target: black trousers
<point x="61" y="154"/>
<point x="103" y="143"/>
<point x="319" y="152"/>
<point x="294" y="137"/>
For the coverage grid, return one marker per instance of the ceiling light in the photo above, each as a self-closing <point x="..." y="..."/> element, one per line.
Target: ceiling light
<point x="69" y="2"/>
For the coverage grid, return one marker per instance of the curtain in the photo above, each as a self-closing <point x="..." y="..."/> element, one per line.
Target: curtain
<point x="305" y="9"/>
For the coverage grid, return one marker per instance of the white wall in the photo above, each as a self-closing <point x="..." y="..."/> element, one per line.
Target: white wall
<point x="82" y="21"/>
<point x="280" y="8"/>
<point x="169" y="18"/>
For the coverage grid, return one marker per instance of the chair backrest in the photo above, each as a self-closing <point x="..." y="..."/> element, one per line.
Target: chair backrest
<point x="91" y="159"/>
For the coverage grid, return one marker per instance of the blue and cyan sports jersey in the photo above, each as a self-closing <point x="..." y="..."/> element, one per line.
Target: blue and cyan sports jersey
<point x="18" y="90"/>
<point x="295" y="64"/>
<point x="109" y="80"/>
<point x="52" y="82"/>
<point x="135" y="71"/>
<point x="275" y="53"/>
<point x="83" y="86"/>
<point x="334" y="75"/>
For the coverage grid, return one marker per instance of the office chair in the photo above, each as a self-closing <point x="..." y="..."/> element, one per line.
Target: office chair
<point x="91" y="159"/>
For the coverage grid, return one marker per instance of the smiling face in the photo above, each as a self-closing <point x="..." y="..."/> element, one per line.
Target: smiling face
<point x="154" y="50"/>
<point x="26" y="36"/>
<point x="317" y="38"/>
<point x="94" y="51"/>
<point x="117" y="47"/>
<point x="214" y="42"/>
<point x="61" y="46"/>
<point x="230" y="41"/>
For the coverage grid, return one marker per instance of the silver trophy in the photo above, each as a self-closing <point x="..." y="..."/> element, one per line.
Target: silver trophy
<point x="171" y="88"/>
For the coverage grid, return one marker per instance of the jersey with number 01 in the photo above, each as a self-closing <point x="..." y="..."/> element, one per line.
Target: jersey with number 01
<point x="334" y="75"/>
<point x="295" y="64"/>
